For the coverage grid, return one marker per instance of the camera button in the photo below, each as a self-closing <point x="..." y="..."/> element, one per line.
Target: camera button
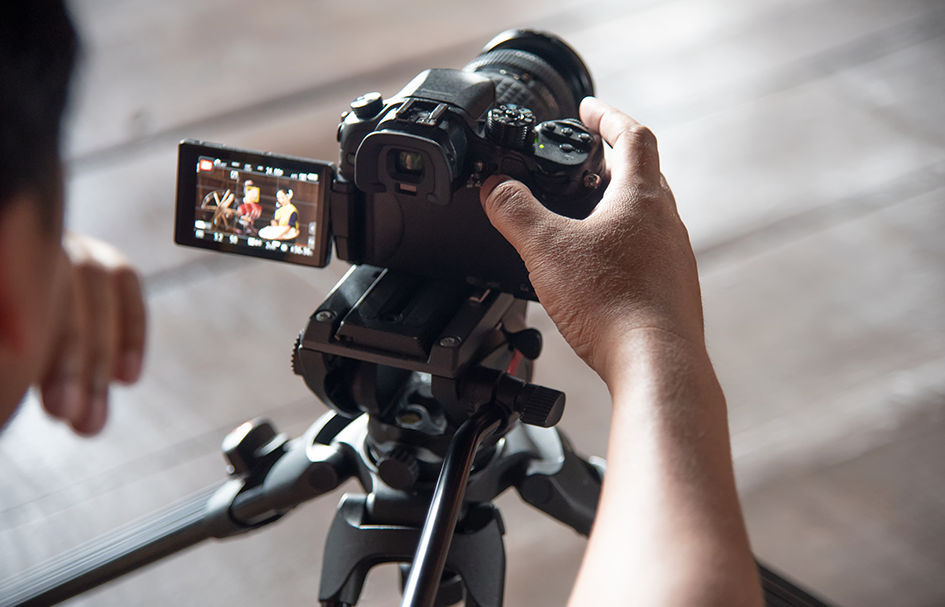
<point x="566" y="147"/>
<point x="368" y="105"/>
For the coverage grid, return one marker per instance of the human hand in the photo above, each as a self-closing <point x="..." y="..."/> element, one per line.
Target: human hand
<point x="101" y="334"/>
<point x="627" y="267"/>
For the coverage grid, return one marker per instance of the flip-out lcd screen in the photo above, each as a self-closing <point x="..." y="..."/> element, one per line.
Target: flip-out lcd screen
<point x="253" y="203"/>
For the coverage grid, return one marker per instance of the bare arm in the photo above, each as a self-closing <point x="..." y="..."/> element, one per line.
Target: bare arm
<point x="669" y="529"/>
<point x="623" y="289"/>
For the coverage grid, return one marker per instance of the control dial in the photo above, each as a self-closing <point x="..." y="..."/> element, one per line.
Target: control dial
<point x="509" y="125"/>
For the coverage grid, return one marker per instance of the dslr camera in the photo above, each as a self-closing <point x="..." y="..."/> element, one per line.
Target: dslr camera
<point x="404" y="194"/>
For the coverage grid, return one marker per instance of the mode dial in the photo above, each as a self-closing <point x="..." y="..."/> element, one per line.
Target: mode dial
<point x="509" y="125"/>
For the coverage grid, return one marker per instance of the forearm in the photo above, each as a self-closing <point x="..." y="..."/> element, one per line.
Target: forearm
<point x="623" y="289"/>
<point x="669" y="529"/>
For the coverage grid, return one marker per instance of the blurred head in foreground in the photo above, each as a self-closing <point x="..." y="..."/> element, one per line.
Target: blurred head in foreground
<point x="38" y="47"/>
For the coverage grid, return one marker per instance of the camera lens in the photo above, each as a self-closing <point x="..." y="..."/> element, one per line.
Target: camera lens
<point x="535" y="70"/>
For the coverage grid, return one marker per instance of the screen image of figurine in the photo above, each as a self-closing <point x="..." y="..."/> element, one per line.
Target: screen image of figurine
<point x="285" y="220"/>
<point x="250" y="210"/>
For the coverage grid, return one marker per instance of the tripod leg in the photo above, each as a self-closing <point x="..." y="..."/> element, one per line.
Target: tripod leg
<point x="561" y="483"/>
<point x="780" y="592"/>
<point x="477" y="554"/>
<point x="355" y="545"/>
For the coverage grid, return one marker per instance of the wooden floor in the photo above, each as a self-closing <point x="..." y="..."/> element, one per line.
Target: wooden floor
<point x="805" y="142"/>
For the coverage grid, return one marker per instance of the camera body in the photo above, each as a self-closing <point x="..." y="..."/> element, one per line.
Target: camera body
<point x="419" y="159"/>
<point x="405" y="192"/>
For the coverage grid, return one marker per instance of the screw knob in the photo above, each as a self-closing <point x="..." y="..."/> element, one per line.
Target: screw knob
<point x="528" y="342"/>
<point x="243" y="446"/>
<point x="539" y="406"/>
<point x="398" y="469"/>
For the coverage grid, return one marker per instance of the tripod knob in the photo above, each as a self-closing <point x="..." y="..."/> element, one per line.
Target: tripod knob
<point x="527" y="341"/>
<point x="398" y="469"/>
<point x="296" y="362"/>
<point x="539" y="406"/>
<point x="246" y="445"/>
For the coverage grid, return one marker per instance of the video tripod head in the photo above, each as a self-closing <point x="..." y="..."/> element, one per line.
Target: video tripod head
<point x="420" y="357"/>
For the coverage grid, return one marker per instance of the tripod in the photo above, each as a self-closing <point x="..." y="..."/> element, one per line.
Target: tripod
<point x="434" y="416"/>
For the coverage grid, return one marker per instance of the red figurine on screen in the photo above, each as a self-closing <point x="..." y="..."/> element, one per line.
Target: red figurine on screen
<point x="250" y="210"/>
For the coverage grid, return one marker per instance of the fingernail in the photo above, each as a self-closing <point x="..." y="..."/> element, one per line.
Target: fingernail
<point x="94" y="419"/>
<point x="53" y="399"/>
<point x="71" y="400"/>
<point x="97" y="414"/>
<point x="130" y="366"/>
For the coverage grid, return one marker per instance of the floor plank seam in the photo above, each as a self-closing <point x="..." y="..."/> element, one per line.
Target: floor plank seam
<point x="821" y="217"/>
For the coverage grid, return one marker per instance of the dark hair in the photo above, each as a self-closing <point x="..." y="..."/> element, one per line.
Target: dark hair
<point x="38" y="47"/>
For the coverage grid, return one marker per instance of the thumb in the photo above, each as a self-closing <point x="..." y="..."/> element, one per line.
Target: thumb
<point x="516" y="214"/>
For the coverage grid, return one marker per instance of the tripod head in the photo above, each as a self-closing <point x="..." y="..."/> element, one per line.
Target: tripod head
<point x="420" y="357"/>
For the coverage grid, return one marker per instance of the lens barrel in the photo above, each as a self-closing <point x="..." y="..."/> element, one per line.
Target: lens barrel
<point x="536" y="70"/>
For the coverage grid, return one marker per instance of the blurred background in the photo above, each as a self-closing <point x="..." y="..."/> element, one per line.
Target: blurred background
<point x="805" y="143"/>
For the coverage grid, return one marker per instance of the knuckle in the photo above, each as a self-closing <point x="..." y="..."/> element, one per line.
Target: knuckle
<point x="89" y="273"/>
<point x="97" y="349"/>
<point x="638" y="143"/>
<point x="127" y="281"/>
<point x="642" y="135"/>
<point x="84" y="270"/>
